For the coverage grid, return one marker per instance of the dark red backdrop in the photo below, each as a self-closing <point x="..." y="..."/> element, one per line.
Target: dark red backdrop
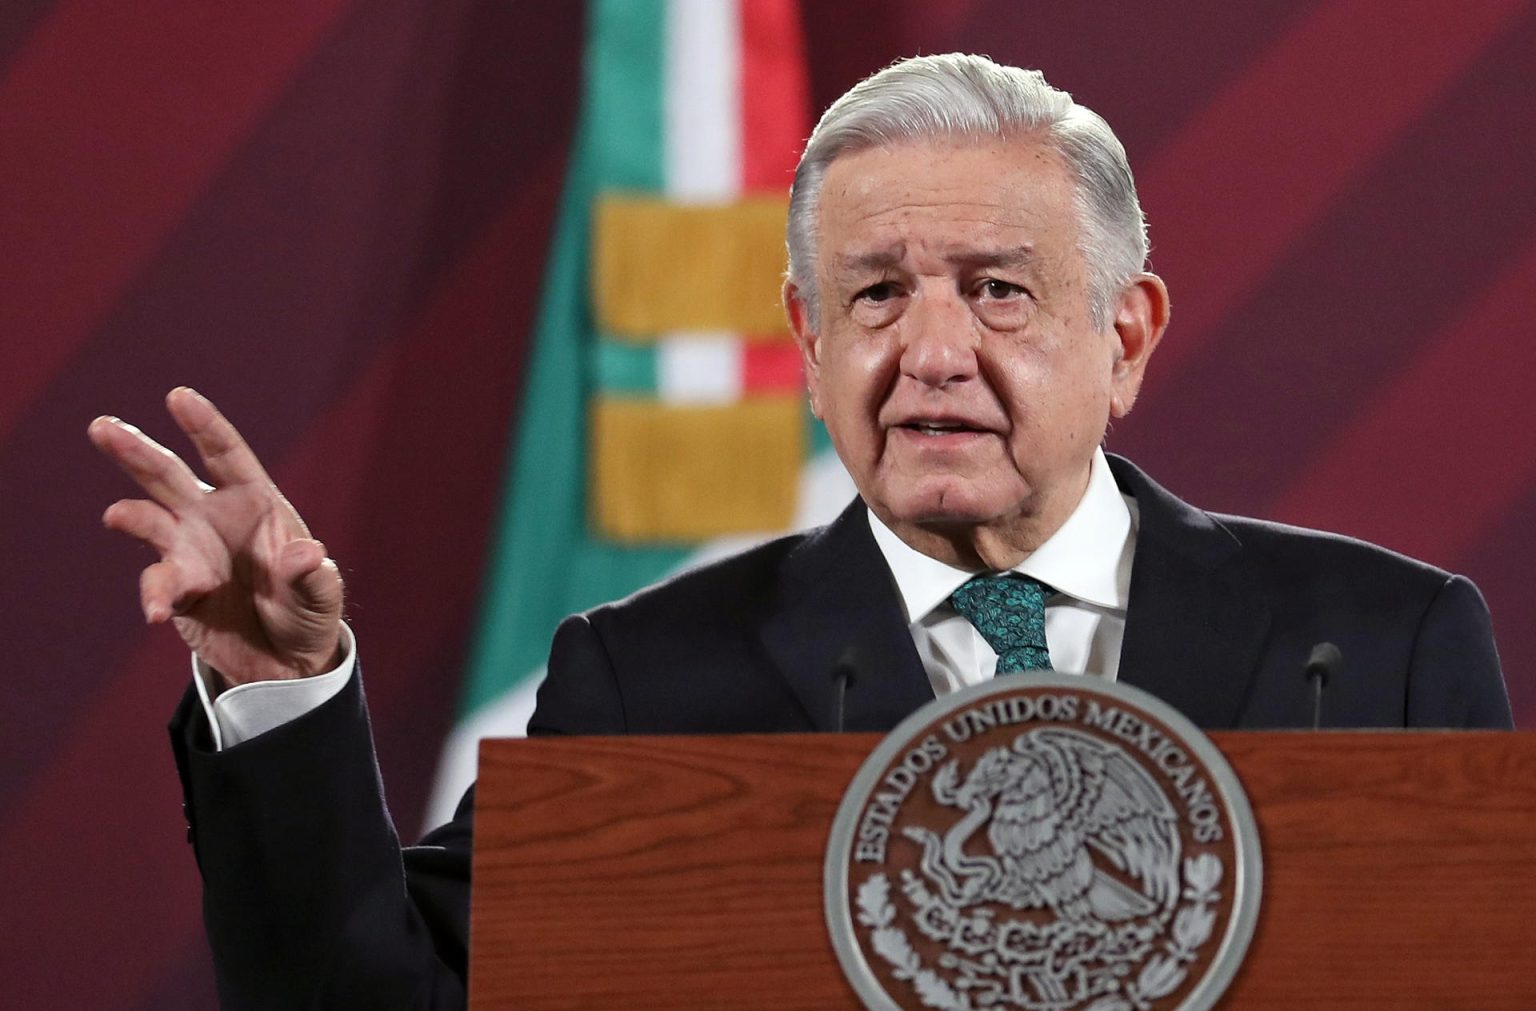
<point x="331" y="216"/>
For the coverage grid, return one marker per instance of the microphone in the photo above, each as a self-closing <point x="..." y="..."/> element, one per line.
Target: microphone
<point x="845" y="672"/>
<point x="1325" y="662"/>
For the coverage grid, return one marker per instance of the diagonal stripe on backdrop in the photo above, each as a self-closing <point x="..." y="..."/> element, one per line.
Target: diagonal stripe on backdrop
<point x="20" y="19"/>
<point x="124" y="716"/>
<point x="1396" y="259"/>
<point x="1252" y="172"/>
<point x="304" y="259"/>
<point x="110" y="829"/>
<point x="1430" y="436"/>
<point x="110" y="78"/>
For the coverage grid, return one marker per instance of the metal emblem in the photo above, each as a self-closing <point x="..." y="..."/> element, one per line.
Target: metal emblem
<point x="1043" y="842"/>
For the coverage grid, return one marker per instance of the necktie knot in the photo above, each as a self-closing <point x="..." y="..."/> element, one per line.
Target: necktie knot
<point x="1009" y="612"/>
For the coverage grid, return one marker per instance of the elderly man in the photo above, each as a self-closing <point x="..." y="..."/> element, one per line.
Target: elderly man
<point x="967" y="289"/>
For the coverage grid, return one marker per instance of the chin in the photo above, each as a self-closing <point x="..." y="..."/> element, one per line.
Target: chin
<point x="951" y="503"/>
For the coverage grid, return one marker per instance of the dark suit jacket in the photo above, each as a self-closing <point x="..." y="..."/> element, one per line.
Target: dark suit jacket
<point x="1223" y="614"/>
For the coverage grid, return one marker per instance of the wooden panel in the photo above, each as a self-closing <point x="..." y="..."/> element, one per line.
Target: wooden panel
<point x="685" y="872"/>
<point x="1400" y="869"/>
<point x="657" y="872"/>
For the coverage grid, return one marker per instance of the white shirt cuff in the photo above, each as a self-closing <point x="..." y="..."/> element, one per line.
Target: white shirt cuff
<point x="244" y="711"/>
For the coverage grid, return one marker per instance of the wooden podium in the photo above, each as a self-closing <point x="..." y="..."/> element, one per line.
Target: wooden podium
<point x="685" y="872"/>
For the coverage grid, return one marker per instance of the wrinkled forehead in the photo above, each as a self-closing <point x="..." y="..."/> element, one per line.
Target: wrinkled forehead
<point x="998" y="202"/>
<point x="1020" y="142"/>
<point x="968" y="252"/>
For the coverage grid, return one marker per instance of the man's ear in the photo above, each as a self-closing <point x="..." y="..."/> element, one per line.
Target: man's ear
<point x="1141" y="316"/>
<point x="806" y="339"/>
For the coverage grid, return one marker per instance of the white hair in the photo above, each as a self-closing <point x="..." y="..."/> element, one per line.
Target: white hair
<point x="961" y="96"/>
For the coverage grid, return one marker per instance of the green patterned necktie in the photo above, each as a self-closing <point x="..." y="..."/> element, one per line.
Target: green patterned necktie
<point x="1009" y="612"/>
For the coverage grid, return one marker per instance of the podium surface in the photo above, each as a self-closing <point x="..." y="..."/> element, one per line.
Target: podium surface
<point x="686" y="872"/>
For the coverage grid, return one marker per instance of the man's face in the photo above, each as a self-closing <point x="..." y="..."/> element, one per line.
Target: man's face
<point x="956" y="365"/>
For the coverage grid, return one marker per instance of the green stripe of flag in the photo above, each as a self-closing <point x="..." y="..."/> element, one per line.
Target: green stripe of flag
<point x="625" y="68"/>
<point x="544" y="563"/>
<point x="624" y="368"/>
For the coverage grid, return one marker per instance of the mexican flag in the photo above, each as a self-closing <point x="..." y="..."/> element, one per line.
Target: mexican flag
<point x="664" y="421"/>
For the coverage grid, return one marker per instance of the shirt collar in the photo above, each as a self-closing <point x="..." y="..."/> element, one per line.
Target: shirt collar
<point x="1087" y="558"/>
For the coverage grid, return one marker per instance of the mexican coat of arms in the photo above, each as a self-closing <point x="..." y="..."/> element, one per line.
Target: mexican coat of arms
<point x="1043" y="843"/>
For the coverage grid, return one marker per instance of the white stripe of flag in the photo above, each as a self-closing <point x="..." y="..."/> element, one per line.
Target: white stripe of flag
<point x="703" y="100"/>
<point x="699" y="368"/>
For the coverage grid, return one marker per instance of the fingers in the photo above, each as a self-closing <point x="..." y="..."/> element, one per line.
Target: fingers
<point x="146" y="521"/>
<point x="159" y="590"/>
<point x="315" y="583"/>
<point x="315" y="580"/>
<point x="298" y="558"/>
<point x="157" y="470"/>
<point x="228" y="459"/>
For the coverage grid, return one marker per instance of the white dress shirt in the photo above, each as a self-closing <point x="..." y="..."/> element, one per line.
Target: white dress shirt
<point x="244" y="711"/>
<point x="1087" y="563"/>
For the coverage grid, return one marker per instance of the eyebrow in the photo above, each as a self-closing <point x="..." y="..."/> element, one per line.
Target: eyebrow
<point x="1013" y="256"/>
<point x="875" y="259"/>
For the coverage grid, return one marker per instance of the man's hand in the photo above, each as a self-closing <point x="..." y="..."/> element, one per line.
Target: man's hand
<point x="246" y="586"/>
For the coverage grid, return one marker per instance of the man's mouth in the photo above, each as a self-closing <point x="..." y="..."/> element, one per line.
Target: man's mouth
<point x="936" y="428"/>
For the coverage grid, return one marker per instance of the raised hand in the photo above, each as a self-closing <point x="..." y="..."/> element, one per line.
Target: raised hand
<point x="239" y="575"/>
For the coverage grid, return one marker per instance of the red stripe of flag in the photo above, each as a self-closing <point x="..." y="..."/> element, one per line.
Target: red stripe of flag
<point x="770" y="367"/>
<point x="115" y="116"/>
<point x="775" y="93"/>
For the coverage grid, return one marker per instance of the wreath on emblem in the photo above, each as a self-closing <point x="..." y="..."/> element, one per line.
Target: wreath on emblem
<point x="1032" y="918"/>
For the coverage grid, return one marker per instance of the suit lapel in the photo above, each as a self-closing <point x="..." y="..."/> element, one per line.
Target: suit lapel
<point x="1195" y="625"/>
<point x="837" y="600"/>
<point x="1196" y="621"/>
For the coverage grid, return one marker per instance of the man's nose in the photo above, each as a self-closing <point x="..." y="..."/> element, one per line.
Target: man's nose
<point x="939" y="339"/>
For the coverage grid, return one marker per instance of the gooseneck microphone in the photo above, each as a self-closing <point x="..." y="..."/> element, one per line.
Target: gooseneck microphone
<point x="845" y="673"/>
<point x="1324" y="663"/>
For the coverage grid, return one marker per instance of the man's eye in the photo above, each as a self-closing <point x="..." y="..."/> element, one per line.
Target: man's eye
<point x="882" y="292"/>
<point x="994" y="289"/>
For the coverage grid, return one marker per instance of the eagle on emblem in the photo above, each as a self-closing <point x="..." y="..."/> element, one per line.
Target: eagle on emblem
<point x="1051" y="803"/>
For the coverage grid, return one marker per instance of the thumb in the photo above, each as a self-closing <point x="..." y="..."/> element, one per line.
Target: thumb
<point x="313" y="578"/>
